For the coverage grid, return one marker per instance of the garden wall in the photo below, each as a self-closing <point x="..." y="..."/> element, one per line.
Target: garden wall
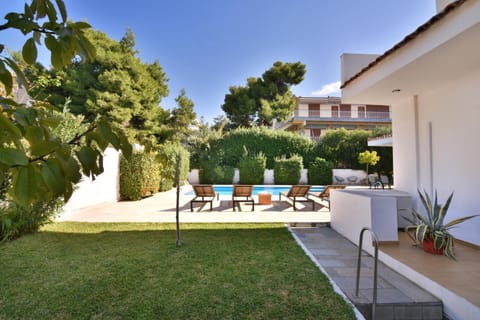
<point x="105" y="187"/>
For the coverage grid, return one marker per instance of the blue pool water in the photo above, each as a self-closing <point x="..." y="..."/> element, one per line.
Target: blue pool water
<point x="225" y="190"/>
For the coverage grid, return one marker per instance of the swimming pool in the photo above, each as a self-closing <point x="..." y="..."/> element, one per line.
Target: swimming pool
<point x="224" y="190"/>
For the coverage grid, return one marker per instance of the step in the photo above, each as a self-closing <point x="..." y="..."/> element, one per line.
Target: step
<point x="397" y="296"/>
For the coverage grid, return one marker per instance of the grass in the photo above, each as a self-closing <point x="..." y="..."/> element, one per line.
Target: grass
<point x="135" y="271"/>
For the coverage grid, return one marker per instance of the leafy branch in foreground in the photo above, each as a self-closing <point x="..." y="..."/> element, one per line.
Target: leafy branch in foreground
<point x="37" y="162"/>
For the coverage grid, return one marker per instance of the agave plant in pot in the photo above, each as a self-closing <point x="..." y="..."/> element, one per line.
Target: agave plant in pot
<point x="430" y="231"/>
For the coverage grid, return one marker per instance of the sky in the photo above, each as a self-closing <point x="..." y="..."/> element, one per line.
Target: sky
<point x="206" y="46"/>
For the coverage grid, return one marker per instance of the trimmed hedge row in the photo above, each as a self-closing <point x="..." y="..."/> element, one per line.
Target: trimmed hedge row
<point x="252" y="169"/>
<point x="320" y="172"/>
<point x="288" y="170"/>
<point x="149" y="172"/>
<point x="140" y="176"/>
<point x="271" y="143"/>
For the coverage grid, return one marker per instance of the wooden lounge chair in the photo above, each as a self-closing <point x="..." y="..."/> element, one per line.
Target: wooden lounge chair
<point x="298" y="193"/>
<point x="325" y="194"/>
<point x="204" y="193"/>
<point x="242" y="193"/>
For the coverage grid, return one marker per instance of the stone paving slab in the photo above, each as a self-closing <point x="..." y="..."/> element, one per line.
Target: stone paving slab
<point x="397" y="297"/>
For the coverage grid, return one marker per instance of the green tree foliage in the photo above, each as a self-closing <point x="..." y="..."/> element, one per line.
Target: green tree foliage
<point x="40" y="164"/>
<point x="288" y="170"/>
<point x="264" y="99"/>
<point x="183" y="116"/>
<point x="168" y="155"/>
<point x="342" y="147"/>
<point x="369" y="158"/>
<point x="116" y="85"/>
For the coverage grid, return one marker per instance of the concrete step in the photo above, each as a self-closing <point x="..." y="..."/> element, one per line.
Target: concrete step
<point x="397" y="296"/>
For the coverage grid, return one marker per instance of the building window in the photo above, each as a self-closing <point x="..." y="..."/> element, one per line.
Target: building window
<point x="361" y="112"/>
<point x="334" y="111"/>
<point x="315" y="134"/>
<point x="314" y="110"/>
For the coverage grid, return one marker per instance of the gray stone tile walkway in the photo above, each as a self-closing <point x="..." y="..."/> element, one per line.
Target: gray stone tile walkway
<point x="397" y="297"/>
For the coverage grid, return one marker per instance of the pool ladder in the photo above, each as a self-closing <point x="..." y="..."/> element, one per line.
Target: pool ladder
<point x="375" y="268"/>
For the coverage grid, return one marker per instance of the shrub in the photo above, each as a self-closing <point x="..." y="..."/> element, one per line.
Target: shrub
<point x="320" y="172"/>
<point x="16" y="221"/>
<point x="140" y="176"/>
<point x="252" y="168"/>
<point x="271" y="143"/>
<point x="168" y="155"/>
<point x="213" y="169"/>
<point x="288" y="170"/>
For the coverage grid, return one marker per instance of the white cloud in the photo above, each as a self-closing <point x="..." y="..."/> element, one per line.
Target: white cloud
<point x="328" y="89"/>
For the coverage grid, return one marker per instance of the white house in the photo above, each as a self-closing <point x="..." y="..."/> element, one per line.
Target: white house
<point x="431" y="80"/>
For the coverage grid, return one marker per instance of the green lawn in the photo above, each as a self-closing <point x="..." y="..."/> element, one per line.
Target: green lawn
<point x="135" y="271"/>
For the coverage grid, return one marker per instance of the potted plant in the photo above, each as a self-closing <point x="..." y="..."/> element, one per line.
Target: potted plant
<point x="430" y="231"/>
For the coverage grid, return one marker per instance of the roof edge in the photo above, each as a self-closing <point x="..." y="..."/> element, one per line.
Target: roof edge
<point x="424" y="27"/>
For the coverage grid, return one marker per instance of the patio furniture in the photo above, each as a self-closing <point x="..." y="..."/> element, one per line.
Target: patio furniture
<point x="204" y="193"/>
<point x="385" y="181"/>
<point x="264" y="198"/>
<point x="298" y="193"/>
<point x="325" y="194"/>
<point x="242" y="193"/>
<point x="374" y="181"/>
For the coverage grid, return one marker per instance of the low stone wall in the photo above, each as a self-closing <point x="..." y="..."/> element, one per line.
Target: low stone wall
<point x="349" y="177"/>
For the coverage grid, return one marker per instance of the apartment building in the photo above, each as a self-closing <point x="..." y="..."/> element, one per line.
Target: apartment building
<point x="313" y="116"/>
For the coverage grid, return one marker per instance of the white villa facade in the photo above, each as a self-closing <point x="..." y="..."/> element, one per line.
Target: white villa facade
<point x="431" y="80"/>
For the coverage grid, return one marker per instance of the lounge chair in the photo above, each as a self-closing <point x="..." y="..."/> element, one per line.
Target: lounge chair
<point x="325" y="194"/>
<point x="298" y="193"/>
<point x="204" y="193"/>
<point x="242" y="193"/>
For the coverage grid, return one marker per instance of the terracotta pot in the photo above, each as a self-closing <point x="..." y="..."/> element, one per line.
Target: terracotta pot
<point x="428" y="246"/>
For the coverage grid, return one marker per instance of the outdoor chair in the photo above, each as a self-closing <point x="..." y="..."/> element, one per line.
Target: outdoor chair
<point x="298" y="193"/>
<point x="385" y="181"/>
<point x="325" y="194"/>
<point x="204" y="193"/>
<point x="374" y="181"/>
<point x="242" y="193"/>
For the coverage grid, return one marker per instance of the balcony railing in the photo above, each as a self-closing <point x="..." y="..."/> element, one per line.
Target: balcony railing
<point x="341" y="115"/>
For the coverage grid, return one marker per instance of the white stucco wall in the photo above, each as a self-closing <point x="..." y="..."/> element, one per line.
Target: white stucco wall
<point x="105" y="187"/>
<point x="453" y="113"/>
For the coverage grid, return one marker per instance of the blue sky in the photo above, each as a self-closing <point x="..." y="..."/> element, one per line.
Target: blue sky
<point x="207" y="46"/>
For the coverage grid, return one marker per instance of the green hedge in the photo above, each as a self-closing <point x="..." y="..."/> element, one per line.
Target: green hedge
<point x="252" y="169"/>
<point x="320" y="172"/>
<point x="213" y="169"/>
<point x="271" y="143"/>
<point x="140" y="176"/>
<point x="288" y="170"/>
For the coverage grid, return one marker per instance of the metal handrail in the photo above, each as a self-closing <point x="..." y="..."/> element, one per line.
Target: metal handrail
<point x="375" y="268"/>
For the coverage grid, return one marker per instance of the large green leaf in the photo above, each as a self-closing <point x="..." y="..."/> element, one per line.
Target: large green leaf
<point x="13" y="157"/>
<point x="29" y="51"/>
<point x="88" y="159"/>
<point x="6" y="77"/>
<point x="41" y="148"/>
<point x="52" y="176"/>
<point x="25" y="186"/>
<point x="9" y="128"/>
<point x="62" y="9"/>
